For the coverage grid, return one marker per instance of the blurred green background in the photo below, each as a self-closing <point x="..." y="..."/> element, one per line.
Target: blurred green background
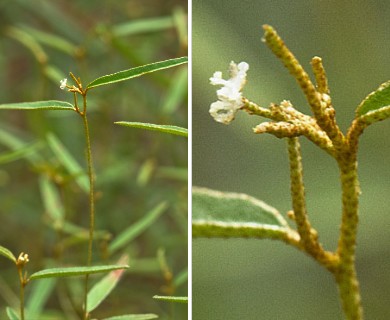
<point x="250" y="279"/>
<point x="40" y="43"/>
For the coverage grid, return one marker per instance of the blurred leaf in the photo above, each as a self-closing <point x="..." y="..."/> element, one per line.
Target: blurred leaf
<point x="103" y="288"/>
<point x="146" y="172"/>
<point x="39" y="294"/>
<point x="137" y="228"/>
<point x="181" y="278"/>
<point x="181" y="22"/>
<point x="172" y="299"/>
<point x="54" y="74"/>
<point x="375" y="100"/>
<point x="12" y="314"/>
<point x="15" y="143"/>
<point x="222" y="214"/>
<point x="29" y="42"/>
<point x="136" y="72"/>
<point x="7" y="253"/>
<point x="142" y="26"/>
<point x="133" y="317"/>
<point x="52" y="201"/>
<point x="177" y="91"/>
<point x="38" y="105"/>
<point x="74" y="271"/>
<point x="68" y="161"/>
<point x="175" y="173"/>
<point x="20" y="153"/>
<point x="156" y="127"/>
<point x="51" y="40"/>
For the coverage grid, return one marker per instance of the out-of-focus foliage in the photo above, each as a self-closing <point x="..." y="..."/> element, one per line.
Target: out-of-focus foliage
<point x="43" y="199"/>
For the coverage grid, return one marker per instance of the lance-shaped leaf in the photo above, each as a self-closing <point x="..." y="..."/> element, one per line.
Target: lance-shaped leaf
<point x="147" y="316"/>
<point x="172" y="299"/>
<point x="7" y="253"/>
<point x="142" y="26"/>
<point x="104" y="287"/>
<point x="156" y="127"/>
<point x="68" y="161"/>
<point x="126" y="236"/>
<point x="136" y="72"/>
<point x="74" y="271"/>
<point x="375" y="100"/>
<point x="38" y="105"/>
<point x="12" y="314"/>
<point x="222" y="214"/>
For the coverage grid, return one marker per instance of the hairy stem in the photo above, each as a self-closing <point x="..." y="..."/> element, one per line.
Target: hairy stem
<point x="308" y="235"/>
<point x="345" y="274"/>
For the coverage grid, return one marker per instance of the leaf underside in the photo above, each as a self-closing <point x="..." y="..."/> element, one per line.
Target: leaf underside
<point x="222" y="214"/>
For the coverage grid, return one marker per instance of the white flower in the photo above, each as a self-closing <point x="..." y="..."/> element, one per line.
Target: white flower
<point x="229" y="96"/>
<point x="63" y="84"/>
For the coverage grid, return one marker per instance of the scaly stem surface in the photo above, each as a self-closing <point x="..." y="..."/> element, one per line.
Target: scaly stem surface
<point x="345" y="274"/>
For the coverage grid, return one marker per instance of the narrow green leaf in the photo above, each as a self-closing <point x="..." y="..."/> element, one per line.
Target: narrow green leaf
<point x="136" y="72"/>
<point x="181" y="278"/>
<point x="13" y="142"/>
<point x="156" y="127"/>
<point x="375" y="100"/>
<point x="74" y="271"/>
<point x="12" y="314"/>
<point x="221" y="214"/>
<point x="38" y="105"/>
<point x="68" y="161"/>
<point x="51" y="40"/>
<point x="142" y="26"/>
<point x="177" y="91"/>
<point x="137" y="228"/>
<point x="172" y="299"/>
<point x="29" y="42"/>
<point x="52" y="201"/>
<point x="103" y="288"/>
<point x="39" y="294"/>
<point x="174" y="173"/>
<point x="19" y="153"/>
<point x="147" y="316"/>
<point x="7" y="253"/>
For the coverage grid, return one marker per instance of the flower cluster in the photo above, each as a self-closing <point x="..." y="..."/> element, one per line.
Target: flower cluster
<point x="229" y="96"/>
<point x="63" y="84"/>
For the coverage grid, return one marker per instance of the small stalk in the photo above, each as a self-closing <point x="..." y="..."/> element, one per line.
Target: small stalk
<point x="345" y="274"/>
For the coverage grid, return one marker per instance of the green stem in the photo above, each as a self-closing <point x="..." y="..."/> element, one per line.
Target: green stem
<point x="20" y="271"/>
<point x="345" y="274"/>
<point x="91" y="198"/>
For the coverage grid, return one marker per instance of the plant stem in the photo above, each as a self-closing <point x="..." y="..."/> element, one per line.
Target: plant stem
<point x="20" y="271"/>
<point x="91" y="197"/>
<point x="345" y="274"/>
<point x="309" y="238"/>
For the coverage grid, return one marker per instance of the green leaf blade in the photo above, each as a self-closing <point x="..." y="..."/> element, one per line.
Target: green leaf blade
<point x="172" y="299"/>
<point x="103" y="288"/>
<point x="375" y="100"/>
<point x="155" y="127"/>
<point x="222" y="214"/>
<point x="68" y="161"/>
<point x="7" y="253"/>
<point x="38" y="105"/>
<point x="137" y="228"/>
<point x="74" y="271"/>
<point x="147" y="316"/>
<point x="136" y="72"/>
